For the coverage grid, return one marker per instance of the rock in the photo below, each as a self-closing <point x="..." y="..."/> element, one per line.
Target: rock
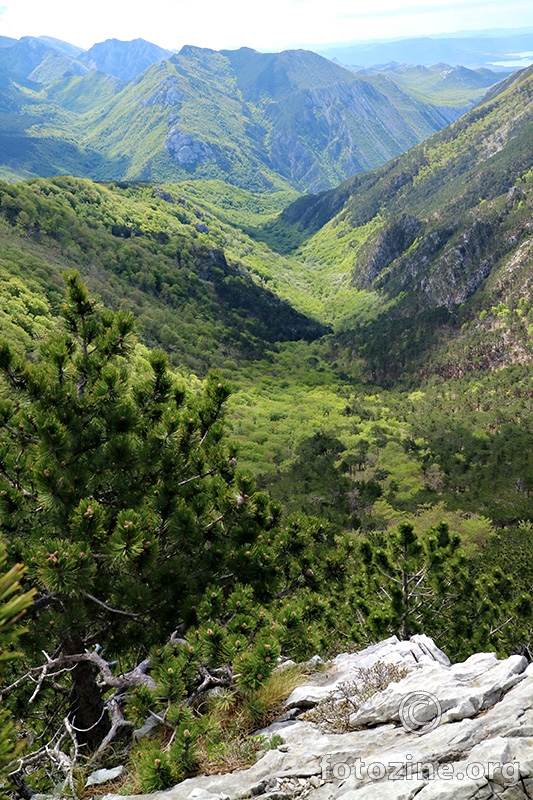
<point x="452" y="693"/>
<point x="105" y="776"/>
<point x="148" y="729"/>
<point x="276" y="796"/>
<point x="43" y="797"/>
<point x="515" y="194"/>
<point x="203" y="794"/>
<point x="201" y="227"/>
<point x="391" y="243"/>
<point x="163" y="195"/>
<point x="185" y="150"/>
<point x="387" y="791"/>
<point x="285" y="662"/>
<point x="418" y="651"/>
<point x="475" y="741"/>
<point x="292" y="713"/>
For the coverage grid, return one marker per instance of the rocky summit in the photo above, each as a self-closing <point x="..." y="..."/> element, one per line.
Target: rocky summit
<point x="462" y="731"/>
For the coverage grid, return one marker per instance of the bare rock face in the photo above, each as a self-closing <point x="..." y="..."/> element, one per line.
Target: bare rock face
<point x="444" y="731"/>
<point x="391" y="244"/>
<point x="186" y="150"/>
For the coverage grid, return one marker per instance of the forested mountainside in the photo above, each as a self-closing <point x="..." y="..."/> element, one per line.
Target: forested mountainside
<point x="131" y="111"/>
<point x="160" y="254"/>
<point x="436" y="232"/>
<point x="236" y="425"/>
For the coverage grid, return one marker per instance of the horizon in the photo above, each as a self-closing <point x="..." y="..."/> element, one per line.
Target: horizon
<point x="174" y="23"/>
<point x="481" y="32"/>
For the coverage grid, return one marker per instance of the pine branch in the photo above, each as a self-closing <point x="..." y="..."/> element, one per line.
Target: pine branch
<point x="500" y="627"/>
<point x="210" y="680"/>
<point x="197" y="477"/>
<point x="19" y="434"/>
<point x="112" y="610"/>
<point x="15" y="485"/>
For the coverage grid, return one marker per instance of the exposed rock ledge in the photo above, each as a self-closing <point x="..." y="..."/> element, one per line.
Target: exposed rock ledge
<point x="473" y="737"/>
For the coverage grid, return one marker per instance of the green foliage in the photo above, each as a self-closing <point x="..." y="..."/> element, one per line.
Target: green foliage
<point x="202" y="306"/>
<point x="471" y="214"/>
<point x="258" y="121"/>
<point x="114" y="486"/>
<point x="154" y="769"/>
<point x="13" y="605"/>
<point x="425" y="584"/>
<point x="123" y="496"/>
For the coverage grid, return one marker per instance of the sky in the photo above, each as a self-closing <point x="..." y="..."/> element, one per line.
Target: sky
<point x="272" y="25"/>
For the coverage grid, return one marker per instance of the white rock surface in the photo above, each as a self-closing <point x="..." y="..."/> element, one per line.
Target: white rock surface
<point x="100" y="776"/>
<point x="473" y="738"/>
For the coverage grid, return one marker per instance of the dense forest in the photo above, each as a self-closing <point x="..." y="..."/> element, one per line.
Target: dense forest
<point x="241" y="426"/>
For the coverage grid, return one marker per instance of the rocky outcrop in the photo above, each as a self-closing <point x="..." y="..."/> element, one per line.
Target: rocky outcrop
<point x="461" y="731"/>
<point x="401" y="258"/>
<point x="390" y="245"/>
<point x="461" y="270"/>
<point x="186" y="150"/>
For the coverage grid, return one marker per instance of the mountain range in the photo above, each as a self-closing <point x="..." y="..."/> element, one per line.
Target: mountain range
<point x="368" y="348"/>
<point x="133" y="111"/>
<point x="404" y="264"/>
<point x="378" y="335"/>
<point x="498" y="49"/>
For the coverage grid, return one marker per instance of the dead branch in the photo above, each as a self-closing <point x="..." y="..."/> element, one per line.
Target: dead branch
<point x="210" y="681"/>
<point x="117" y="724"/>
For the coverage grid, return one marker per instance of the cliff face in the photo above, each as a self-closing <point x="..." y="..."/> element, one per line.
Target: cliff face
<point x="461" y="731"/>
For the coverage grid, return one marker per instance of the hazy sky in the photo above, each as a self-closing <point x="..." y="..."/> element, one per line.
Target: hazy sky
<point x="265" y="25"/>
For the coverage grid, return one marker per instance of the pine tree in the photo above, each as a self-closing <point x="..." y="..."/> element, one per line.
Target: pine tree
<point x="123" y="498"/>
<point x="425" y="584"/>
<point x="13" y="604"/>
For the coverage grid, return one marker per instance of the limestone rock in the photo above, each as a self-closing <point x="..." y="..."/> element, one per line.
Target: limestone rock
<point x="105" y="776"/>
<point x="186" y="150"/>
<point x="473" y="740"/>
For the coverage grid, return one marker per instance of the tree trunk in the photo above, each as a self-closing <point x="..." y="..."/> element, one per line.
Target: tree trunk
<point x="87" y="712"/>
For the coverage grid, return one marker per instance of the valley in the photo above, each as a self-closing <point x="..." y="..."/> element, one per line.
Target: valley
<point x="267" y="356"/>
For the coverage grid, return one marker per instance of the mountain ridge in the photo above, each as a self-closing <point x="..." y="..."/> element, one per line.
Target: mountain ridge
<point x="258" y="120"/>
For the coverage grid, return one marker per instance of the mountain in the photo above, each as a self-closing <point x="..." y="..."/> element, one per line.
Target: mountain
<point x="441" y="234"/>
<point x="124" y="60"/>
<point x="442" y="85"/>
<point x="60" y="46"/>
<point x="470" y="51"/>
<point x="84" y="92"/>
<point x="45" y="60"/>
<point x="25" y="55"/>
<point x="249" y="117"/>
<point x="258" y="120"/>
